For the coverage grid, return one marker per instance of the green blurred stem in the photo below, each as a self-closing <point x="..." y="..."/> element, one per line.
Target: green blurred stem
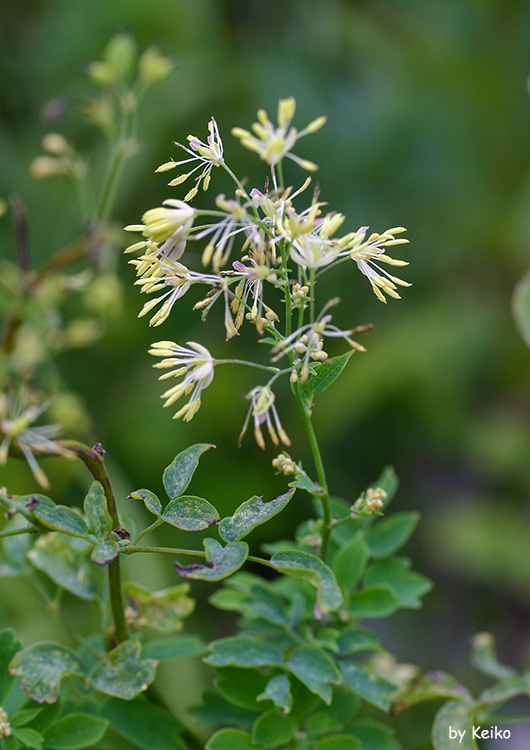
<point x="93" y="460"/>
<point x="111" y="183"/>
<point x="15" y="532"/>
<point x="53" y="607"/>
<point x="503" y="719"/>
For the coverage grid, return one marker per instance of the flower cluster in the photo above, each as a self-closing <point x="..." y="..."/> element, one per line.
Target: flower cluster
<point x="278" y="244"/>
<point x="5" y="726"/>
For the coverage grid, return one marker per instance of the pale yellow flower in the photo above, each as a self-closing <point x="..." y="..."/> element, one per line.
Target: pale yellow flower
<point x="369" y="251"/>
<point x="272" y="143"/>
<point x="166" y="229"/>
<point x="263" y="411"/>
<point x="209" y="155"/>
<point x="194" y="364"/>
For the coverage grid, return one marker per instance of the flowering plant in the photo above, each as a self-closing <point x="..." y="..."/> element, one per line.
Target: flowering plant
<point x="301" y="672"/>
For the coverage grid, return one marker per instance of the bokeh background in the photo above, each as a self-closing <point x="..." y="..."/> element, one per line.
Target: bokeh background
<point x="428" y="127"/>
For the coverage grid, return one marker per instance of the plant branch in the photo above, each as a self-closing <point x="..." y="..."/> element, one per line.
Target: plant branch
<point x="93" y="460"/>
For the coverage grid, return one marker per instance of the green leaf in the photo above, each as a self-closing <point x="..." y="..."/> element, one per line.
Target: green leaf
<point x="521" y="307"/>
<point x="95" y="507"/>
<point x="215" y="709"/>
<point x="458" y="716"/>
<point x="240" y="692"/>
<point x="303" y="482"/>
<point x="61" y="518"/>
<point x="123" y="674"/>
<point x="350" y="563"/>
<point x="24" y="716"/>
<point x="223" y="560"/>
<point x="75" y="731"/>
<point x="322" y="724"/>
<point x="150" y="500"/>
<point x="143" y="724"/>
<point x="177" y="647"/>
<point x="190" y="513"/>
<point x="373" y="601"/>
<point x="161" y="610"/>
<point x="250" y="514"/>
<point x="231" y="739"/>
<point x="394" y="573"/>
<point x="312" y="569"/>
<point x="8" y="648"/>
<point x="484" y="658"/>
<point x="339" y="742"/>
<point x="370" y="687"/>
<point x="432" y="686"/>
<point x="506" y="689"/>
<point x="315" y="670"/>
<point x="326" y="373"/>
<point x="243" y="651"/>
<point x="265" y="603"/>
<point x="178" y="474"/>
<point x="272" y="729"/>
<point x="390" y="534"/>
<point x="373" y="735"/>
<point x="29" y="738"/>
<point x="41" y="668"/>
<point x="65" y="562"/>
<point x="278" y="690"/>
<point x="354" y="639"/>
<point x="105" y="553"/>
<point x="228" y="600"/>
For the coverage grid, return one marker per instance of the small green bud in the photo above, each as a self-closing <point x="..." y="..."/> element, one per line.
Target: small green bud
<point x="44" y="167"/>
<point x="120" y="55"/>
<point x="56" y="144"/>
<point x="100" y="113"/>
<point x="153" y="67"/>
<point x="68" y="410"/>
<point x="82" y="332"/>
<point x="102" y="73"/>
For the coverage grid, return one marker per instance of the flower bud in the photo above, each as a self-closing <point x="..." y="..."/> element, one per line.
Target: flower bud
<point x="56" y="144"/>
<point x="120" y="55"/>
<point x="153" y="67"/>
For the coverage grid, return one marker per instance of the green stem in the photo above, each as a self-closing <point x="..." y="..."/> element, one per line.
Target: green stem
<point x="280" y="173"/>
<point x="152" y="527"/>
<point x="133" y="549"/>
<point x="504" y="719"/>
<point x="275" y="370"/>
<point x="319" y="465"/>
<point x="109" y="190"/>
<point x="54" y="610"/>
<point x="93" y="460"/>
<point x="312" y="284"/>
<point x="15" y="532"/>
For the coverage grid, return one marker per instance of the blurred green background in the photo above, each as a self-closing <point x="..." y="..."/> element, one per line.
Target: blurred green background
<point x="428" y="127"/>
